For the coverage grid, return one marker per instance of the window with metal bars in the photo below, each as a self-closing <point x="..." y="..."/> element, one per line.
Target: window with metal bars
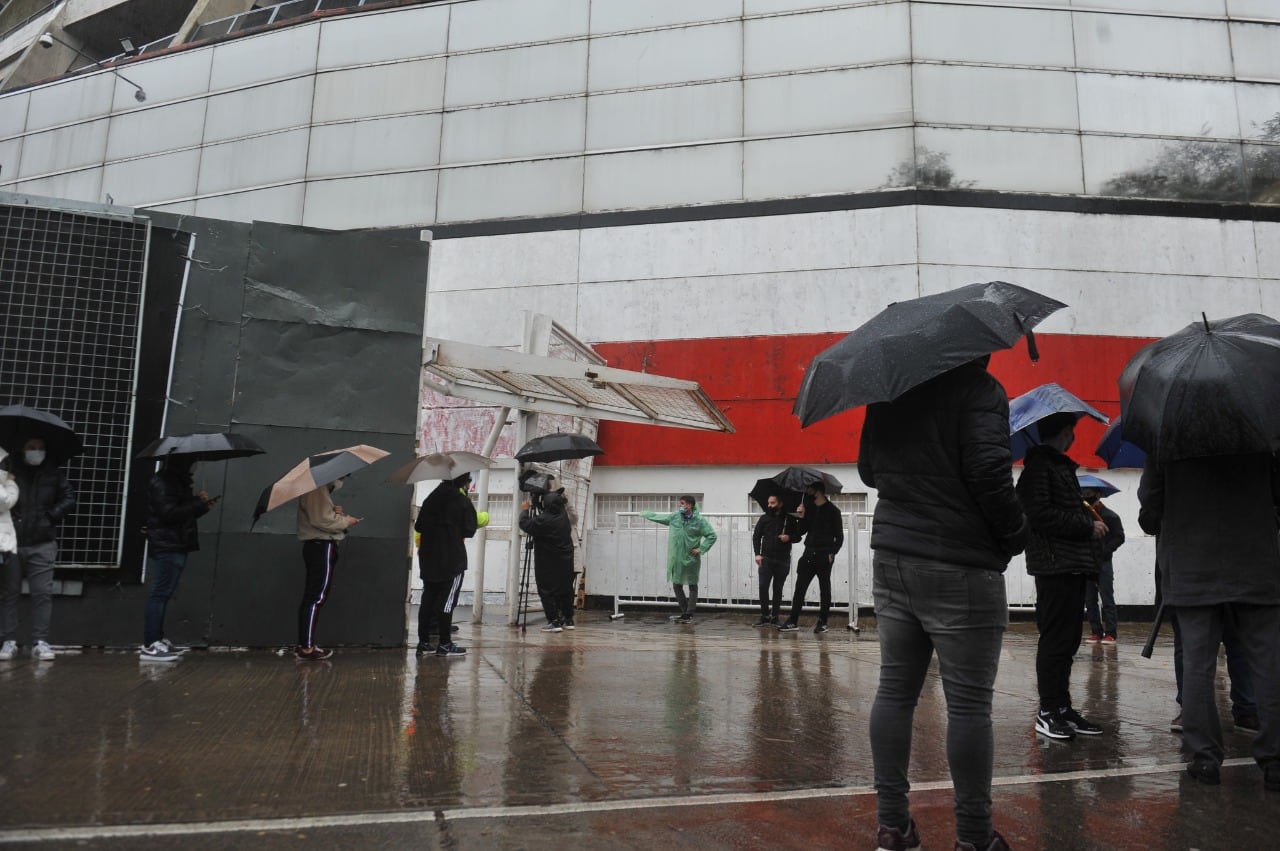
<point x="608" y="505"/>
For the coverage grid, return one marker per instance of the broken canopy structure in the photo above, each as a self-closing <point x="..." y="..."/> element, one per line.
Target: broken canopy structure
<point x="537" y="383"/>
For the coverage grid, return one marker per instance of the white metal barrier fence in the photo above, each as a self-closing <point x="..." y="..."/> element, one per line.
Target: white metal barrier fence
<point x="629" y="564"/>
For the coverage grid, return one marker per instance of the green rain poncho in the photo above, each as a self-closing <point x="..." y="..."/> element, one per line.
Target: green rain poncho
<point x="683" y="566"/>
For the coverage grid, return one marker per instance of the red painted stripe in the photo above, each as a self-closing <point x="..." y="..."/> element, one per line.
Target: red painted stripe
<point x="754" y="381"/>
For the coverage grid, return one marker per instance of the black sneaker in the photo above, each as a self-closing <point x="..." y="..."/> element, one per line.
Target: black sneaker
<point x="788" y="627"/>
<point x="1271" y="776"/>
<point x="686" y="618"/>
<point x="568" y="624"/>
<point x="1247" y="724"/>
<point x="1176" y="724"/>
<point x="997" y="844"/>
<point x="764" y="621"/>
<point x="892" y="839"/>
<point x="1051" y="726"/>
<point x="424" y="648"/>
<point x="820" y="628"/>
<point x="1082" y="725"/>
<point x="553" y="626"/>
<point x="450" y="651"/>
<point x="1206" y="771"/>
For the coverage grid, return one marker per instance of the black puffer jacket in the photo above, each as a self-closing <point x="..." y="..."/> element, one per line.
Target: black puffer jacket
<point x="551" y="531"/>
<point x="939" y="457"/>
<point x="1114" y="539"/>
<point x="1061" y="527"/>
<point x="447" y="518"/>
<point x="45" y="497"/>
<point x="172" y="510"/>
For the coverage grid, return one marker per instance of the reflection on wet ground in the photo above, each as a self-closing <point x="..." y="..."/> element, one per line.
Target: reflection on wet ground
<point x="637" y="732"/>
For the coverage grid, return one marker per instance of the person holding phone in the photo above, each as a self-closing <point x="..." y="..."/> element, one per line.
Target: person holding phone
<point x="172" y="510"/>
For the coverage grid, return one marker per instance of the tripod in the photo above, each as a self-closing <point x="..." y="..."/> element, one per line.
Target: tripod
<point x="525" y="570"/>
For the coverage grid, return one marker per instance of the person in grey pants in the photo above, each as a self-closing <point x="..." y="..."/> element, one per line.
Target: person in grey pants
<point x="44" y="499"/>
<point x="946" y="523"/>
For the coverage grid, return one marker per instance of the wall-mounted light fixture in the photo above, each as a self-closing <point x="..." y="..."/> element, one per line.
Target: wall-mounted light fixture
<point x="46" y="41"/>
<point x="126" y="45"/>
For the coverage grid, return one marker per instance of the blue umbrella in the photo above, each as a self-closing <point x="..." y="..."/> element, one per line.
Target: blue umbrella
<point x="1036" y="404"/>
<point x="1089" y="480"/>
<point x="1117" y="451"/>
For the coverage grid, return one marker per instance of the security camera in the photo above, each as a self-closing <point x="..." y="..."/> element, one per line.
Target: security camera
<point x="46" y="40"/>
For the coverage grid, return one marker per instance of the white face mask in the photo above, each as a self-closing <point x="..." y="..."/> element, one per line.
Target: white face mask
<point x="337" y="484"/>
<point x="34" y="457"/>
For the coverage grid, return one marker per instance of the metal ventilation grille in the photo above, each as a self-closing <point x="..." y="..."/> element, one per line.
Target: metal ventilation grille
<point x="70" y="288"/>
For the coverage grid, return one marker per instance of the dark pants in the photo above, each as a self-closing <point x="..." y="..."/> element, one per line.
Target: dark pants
<point x="812" y="563"/>
<point x="320" y="559"/>
<point x="1257" y="630"/>
<point x="961" y="614"/>
<point x="1102" y="622"/>
<point x="439" y="599"/>
<point x="1243" y="705"/>
<point x="555" y="588"/>
<point x="1059" y="600"/>
<point x="773" y="574"/>
<point x="36" y="563"/>
<point x="687" y="605"/>
<point x="166" y="569"/>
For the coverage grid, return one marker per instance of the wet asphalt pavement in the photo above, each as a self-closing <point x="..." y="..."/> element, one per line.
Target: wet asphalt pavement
<point x="635" y="733"/>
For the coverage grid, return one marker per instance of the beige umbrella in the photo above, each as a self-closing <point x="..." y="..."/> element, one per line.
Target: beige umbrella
<point x="316" y="472"/>
<point x="439" y="465"/>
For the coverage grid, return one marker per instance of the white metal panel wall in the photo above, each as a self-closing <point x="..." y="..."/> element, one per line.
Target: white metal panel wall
<point x="502" y="108"/>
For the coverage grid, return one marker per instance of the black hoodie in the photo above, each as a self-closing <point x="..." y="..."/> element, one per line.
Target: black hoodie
<point x="551" y="532"/>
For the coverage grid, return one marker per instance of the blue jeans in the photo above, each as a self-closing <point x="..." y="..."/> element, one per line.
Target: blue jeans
<point x="961" y="613"/>
<point x="167" y="571"/>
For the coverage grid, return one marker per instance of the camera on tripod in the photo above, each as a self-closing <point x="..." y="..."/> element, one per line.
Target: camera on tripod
<point x="537" y="485"/>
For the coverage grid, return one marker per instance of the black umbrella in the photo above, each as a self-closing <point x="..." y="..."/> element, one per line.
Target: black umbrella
<point x="558" y="447"/>
<point x="202" y="447"/>
<point x="1212" y="388"/>
<point x="18" y="424"/>
<point x="765" y="488"/>
<point x="799" y="478"/>
<point x="910" y="342"/>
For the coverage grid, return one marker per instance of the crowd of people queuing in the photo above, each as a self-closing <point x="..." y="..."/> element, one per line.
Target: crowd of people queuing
<point x="947" y="521"/>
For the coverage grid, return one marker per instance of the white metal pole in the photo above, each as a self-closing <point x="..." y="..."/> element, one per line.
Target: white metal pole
<point x="482" y="500"/>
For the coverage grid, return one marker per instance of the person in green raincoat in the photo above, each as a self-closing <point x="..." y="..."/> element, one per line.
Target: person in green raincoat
<point x="690" y="537"/>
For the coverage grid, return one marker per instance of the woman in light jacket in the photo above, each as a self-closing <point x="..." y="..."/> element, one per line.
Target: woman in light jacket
<point x="8" y="537"/>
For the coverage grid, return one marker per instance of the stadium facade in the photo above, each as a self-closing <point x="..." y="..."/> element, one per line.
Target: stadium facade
<point x="713" y="190"/>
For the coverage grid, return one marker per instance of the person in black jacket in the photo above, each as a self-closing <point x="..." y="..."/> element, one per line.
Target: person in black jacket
<point x="45" y="497"/>
<point x="552" y="536"/>
<point x="1214" y="519"/>
<point x="823" y="530"/>
<point x="772" y="538"/>
<point x="172" y="511"/>
<point x="946" y="523"/>
<point x="1103" y="621"/>
<point x="1062" y="555"/>
<point x="445" y="521"/>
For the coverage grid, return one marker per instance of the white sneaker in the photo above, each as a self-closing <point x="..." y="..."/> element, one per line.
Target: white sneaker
<point x="171" y="647"/>
<point x="43" y="652"/>
<point x="8" y="650"/>
<point x="157" y="652"/>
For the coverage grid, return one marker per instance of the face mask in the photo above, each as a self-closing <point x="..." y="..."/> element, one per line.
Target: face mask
<point x="195" y="466"/>
<point x="337" y="485"/>
<point x="686" y="513"/>
<point x="34" y="457"/>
